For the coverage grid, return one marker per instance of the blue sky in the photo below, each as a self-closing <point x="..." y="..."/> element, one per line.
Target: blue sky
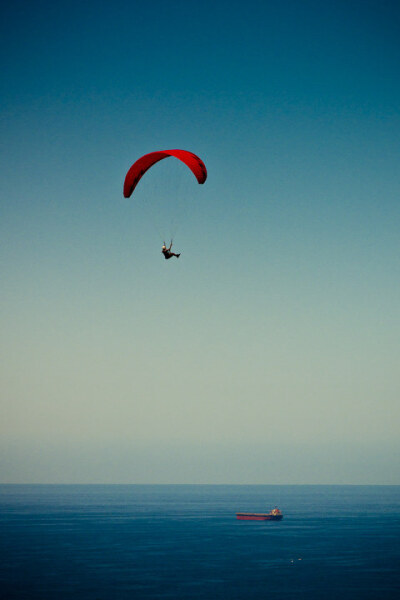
<point x="269" y="352"/>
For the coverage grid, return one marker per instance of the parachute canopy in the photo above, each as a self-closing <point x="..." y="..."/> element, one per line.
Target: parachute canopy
<point x="143" y="164"/>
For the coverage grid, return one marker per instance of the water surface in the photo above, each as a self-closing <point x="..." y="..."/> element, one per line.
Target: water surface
<point x="183" y="541"/>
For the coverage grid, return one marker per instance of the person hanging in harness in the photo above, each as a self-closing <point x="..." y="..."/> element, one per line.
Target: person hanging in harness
<point x="167" y="251"/>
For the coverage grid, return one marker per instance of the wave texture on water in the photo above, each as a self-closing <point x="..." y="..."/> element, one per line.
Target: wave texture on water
<point x="183" y="541"/>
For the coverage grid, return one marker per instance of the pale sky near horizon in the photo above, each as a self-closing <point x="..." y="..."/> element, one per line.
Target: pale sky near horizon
<point x="269" y="353"/>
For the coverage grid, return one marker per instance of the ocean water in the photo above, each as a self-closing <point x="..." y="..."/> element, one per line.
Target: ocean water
<point x="184" y="542"/>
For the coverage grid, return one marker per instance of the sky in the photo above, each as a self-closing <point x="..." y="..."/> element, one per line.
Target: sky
<point x="269" y="352"/>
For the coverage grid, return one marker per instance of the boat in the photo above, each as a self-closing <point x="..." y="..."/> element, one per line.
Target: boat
<point x="274" y="515"/>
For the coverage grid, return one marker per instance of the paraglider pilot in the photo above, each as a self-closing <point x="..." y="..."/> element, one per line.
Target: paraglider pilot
<point x="167" y="251"/>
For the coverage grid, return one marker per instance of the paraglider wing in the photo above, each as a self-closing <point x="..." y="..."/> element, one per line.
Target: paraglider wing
<point x="139" y="168"/>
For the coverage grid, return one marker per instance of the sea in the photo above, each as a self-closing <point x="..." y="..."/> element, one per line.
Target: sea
<point x="103" y="542"/>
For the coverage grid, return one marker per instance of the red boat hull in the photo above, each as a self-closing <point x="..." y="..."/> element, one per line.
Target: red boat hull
<point x="258" y="517"/>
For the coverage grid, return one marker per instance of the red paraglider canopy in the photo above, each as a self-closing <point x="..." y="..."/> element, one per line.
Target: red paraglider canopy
<point x="139" y="168"/>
